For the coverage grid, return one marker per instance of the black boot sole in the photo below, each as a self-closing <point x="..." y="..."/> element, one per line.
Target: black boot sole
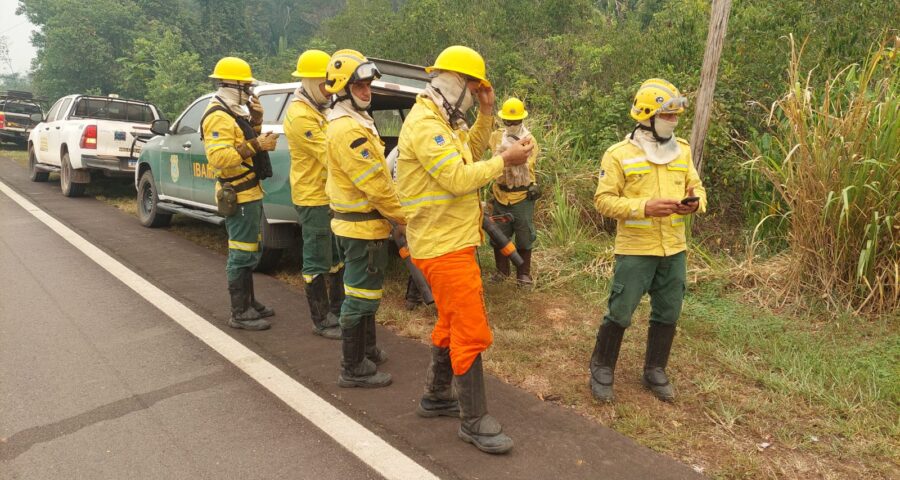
<point x="443" y="412"/>
<point x="492" y="450"/>
<point x="234" y="324"/>
<point x="345" y="383"/>
<point x="668" y="398"/>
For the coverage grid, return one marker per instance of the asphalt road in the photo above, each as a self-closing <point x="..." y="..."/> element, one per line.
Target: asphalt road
<point x="96" y="382"/>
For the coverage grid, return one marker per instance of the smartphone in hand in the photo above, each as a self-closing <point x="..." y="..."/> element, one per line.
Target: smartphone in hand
<point x="689" y="200"/>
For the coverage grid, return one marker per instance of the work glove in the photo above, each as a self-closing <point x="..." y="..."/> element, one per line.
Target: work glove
<point x="256" y="111"/>
<point x="265" y="142"/>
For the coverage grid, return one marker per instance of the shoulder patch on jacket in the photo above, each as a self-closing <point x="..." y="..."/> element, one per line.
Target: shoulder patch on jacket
<point x="440" y="140"/>
<point x="358" y="142"/>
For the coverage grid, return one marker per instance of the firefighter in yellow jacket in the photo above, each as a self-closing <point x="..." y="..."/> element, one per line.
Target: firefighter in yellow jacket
<point x="515" y="191"/>
<point x="649" y="185"/>
<point x="438" y="181"/>
<point x="364" y="204"/>
<point x="304" y="128"/>
<point x="235" y="149"/>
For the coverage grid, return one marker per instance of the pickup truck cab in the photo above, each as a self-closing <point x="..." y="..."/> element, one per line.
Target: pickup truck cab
<point x="19" y="113"/>
<point x="84" y="133"/>
<point x="174" y="176"/>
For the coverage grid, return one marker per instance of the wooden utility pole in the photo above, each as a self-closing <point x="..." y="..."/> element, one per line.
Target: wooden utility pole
<point x="715" y="39"/>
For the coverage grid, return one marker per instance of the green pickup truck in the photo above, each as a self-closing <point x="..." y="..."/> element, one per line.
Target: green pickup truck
<point x="172" y="175"/>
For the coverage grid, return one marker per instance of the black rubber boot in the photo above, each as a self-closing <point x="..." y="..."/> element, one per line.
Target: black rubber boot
<point x="373" y="352"/>
<point x="317" y="297"/>
<point x="476" y="425"/>
<point x="335" y="298"/>
<point x="523" y="272"/>
<point x="261" y="309"/>
<point x="439" y="399"/>
<point x="413" y="295"/>
<point x="603" y="361"/>
<point x="659" y="345"/>
<point x="502" y="263"/>
<point x="242" y="315"/>
<point x="356" y="369"/>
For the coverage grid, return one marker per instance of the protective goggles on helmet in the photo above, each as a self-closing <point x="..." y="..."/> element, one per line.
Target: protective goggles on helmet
<point x="365" y="71"/>
<point x="674" y="104"/>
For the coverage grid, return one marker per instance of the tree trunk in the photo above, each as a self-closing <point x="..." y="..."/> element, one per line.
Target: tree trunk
<point x="715" y="39"/>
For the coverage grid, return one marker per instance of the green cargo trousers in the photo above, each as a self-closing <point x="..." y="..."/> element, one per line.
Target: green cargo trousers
<point x="522" y="225"/>
<point x="243" y="238"/>
<point x="321" y="254"/>
<point x="364" y="264"/>
<point x="634" y="275"/>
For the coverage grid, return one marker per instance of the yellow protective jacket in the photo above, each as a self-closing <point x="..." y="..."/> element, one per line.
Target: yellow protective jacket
<point x="511" y="198"/>
<point x="358" y="180"/>
<point x="304" y="127"/>
<point x="628" y="180"/>
<point x="221" y="137"/>
<point x="438" y="180"/>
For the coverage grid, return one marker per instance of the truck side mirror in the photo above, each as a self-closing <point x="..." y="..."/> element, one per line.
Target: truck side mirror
<point x="37" y="117"/>
<point x="160" y="127"/>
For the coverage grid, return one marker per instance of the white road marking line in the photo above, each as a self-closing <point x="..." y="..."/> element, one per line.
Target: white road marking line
<point x="368" y="447"/>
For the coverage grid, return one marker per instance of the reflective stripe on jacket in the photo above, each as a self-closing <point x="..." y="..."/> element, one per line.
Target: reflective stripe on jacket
<point x="221" y="137"/>
<point x="358" y="180"/>
<point x="438" y="180"/>
<point x="628" y="180"/>
<point x="510" y="198"/>
<point x="304" y="127"/>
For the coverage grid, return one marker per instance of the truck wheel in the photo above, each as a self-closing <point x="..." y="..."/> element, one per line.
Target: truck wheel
<point x="36" y="175"/>
<point x="69" y="188"/>
<point x="273" y="241"/>
<point x="148" y="203"/>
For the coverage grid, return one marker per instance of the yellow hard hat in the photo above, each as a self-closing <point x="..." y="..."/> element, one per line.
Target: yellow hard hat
<point x="513" y="109"/>
<point x="233" y="68"/>
<point x="348" y="66"/>
<point x="312" y="64"/>
<point x="656" y="96"/>
<point x="462" y="60"/>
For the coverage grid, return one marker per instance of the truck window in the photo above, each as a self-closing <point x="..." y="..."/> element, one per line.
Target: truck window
<point x="190" y="121"/>
<point x="388" y="122"/>
<point x="18" y="107"/>
<point x="109" y="109"/>
<point x="54" y="110"/>
<point x="273" y="104"/>
<point x="63" y="109"/>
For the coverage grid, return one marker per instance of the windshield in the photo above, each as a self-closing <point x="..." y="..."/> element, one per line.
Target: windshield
<point x="26" y="108"/>
<point x="109" y="109"/>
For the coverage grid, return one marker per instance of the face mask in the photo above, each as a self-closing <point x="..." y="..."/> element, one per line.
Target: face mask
<point x="515" y="130"/>
<point x="665" y="128"/>
<point x="311" y="88"/>
<point x="358" y="103"/>
<point x="457" y="98"/>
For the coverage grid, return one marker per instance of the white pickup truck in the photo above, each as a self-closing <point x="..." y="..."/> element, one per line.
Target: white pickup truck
<point x="84" y="133"/>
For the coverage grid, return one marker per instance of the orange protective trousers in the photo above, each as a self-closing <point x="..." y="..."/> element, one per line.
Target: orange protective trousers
<point x="455" y="281"/>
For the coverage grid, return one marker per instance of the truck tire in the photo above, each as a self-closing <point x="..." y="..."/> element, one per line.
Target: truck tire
<point x="148" y="203"/>
<point x="68" y="187"/>
<point x="271" y="245"/>
<point x="35" y="174"/>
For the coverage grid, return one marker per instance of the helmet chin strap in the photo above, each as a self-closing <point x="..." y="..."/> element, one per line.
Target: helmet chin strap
<point x="651" y="129"/>
<point x="453" y="110"/>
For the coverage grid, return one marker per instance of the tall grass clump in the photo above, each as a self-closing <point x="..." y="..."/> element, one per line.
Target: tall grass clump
<point x="833" y="169"/>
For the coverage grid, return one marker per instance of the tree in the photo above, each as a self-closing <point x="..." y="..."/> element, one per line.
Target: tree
<point x="159" y="70"/>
